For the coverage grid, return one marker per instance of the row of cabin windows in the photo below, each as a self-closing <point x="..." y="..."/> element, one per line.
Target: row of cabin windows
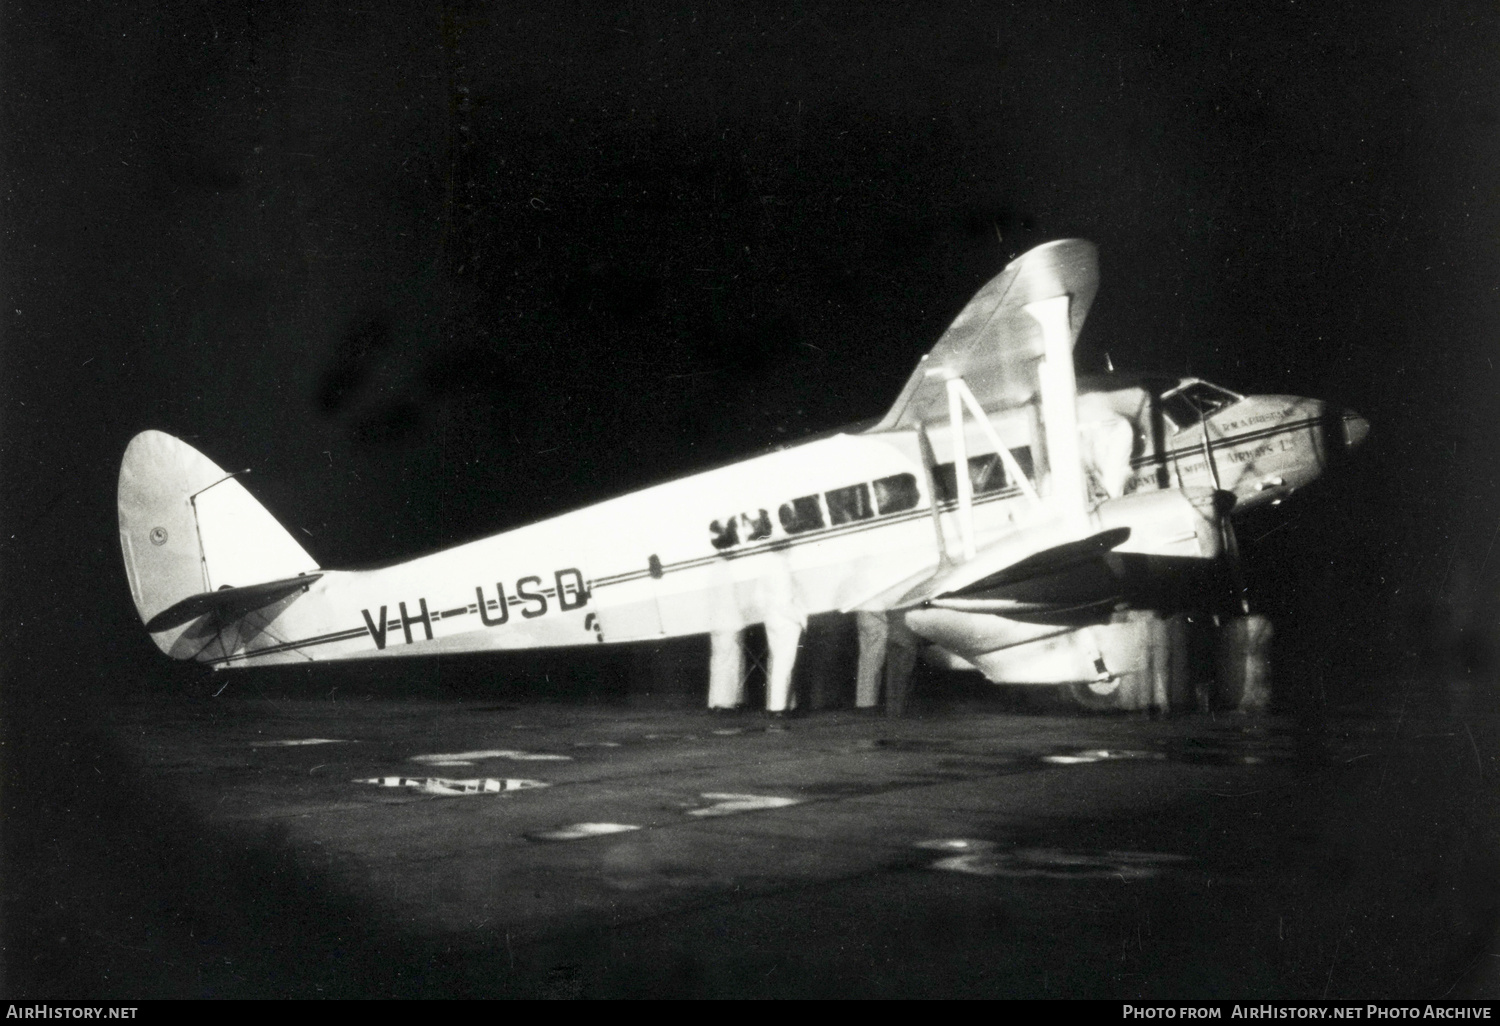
<point x="894" y="494"/>
<point x="986" y="474"/>
<point x="897" y="493"/>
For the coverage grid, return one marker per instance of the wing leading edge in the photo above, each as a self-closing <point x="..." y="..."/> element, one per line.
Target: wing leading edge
<point x="994" y="343"/>
<point x="994" y="357"/>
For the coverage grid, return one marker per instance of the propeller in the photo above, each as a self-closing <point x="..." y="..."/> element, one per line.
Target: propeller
<point x="1224" y="502"/>
<point x="1232" y="557"/>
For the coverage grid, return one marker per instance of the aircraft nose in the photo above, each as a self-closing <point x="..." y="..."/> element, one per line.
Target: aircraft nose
<point x="1355" y="429"/>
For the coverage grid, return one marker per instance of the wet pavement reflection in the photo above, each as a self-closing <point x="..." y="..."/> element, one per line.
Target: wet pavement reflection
<point x="965" y="852"/>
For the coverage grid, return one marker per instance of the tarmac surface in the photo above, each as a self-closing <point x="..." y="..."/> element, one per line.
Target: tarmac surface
<point x="251" y="847"/>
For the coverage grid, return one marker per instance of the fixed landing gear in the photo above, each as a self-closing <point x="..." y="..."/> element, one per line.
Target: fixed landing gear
<point x="1171" y="664"/>
<point x="1096" y="695"/>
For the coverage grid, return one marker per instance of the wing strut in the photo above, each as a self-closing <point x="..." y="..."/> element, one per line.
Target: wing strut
<point x="960" y="396"/>
<point x="1013" y="470"/>
<point x="928" y="462"/>
<point x="1060" y="407"/>
<point x="961" y="466"/>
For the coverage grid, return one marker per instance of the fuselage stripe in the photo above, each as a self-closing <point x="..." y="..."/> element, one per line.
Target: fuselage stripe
<point x="1226" y="442"/>
<point x="841" y="531"/>
<point x="321" y="639"/>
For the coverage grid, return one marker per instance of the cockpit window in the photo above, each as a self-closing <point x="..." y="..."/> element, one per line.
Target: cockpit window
<point x="1192" y="402"/>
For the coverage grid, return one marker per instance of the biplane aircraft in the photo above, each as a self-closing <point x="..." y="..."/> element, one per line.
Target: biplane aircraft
<point x="1068" y="503"/>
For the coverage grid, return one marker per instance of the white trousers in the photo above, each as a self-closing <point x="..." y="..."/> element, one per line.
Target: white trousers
<point x="873" y="633"/>
<point x="726" y="670"/>
<point x="783" y="637"/>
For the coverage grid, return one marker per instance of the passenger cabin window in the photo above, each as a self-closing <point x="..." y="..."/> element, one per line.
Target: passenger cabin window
<point x="849" y="504"/>
<point x="896" y="493"/>
<point x="986" y="474"/>
<point x="800" y="515"/>
<point x="1191" y="403"/>
<point x="1022" y="456"/>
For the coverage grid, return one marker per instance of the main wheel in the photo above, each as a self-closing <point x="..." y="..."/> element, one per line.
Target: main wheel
<point x="1097" y="695"/>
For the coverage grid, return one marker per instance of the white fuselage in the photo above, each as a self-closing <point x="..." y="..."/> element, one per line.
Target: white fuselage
<point x="824" y="525"/>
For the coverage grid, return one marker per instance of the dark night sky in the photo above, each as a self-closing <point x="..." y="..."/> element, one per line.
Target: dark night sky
<point x="435" y="271"/>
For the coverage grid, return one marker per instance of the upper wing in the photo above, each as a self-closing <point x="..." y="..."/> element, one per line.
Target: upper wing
<point x="994" y="344"/>
<point x="991" y="357"/>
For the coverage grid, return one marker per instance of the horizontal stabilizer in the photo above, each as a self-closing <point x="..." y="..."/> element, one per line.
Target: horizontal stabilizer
<point x="232" y="602"/>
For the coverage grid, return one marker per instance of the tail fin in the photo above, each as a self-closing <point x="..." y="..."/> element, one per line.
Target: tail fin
<point x="188" y="528"/>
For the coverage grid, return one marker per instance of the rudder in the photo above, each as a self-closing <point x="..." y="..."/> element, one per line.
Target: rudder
<point x="187" y="527"/>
